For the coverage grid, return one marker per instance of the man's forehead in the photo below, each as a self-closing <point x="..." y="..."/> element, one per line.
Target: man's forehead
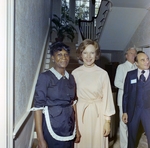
<point x="142" y="56"/>
<point x="132" y="50"/>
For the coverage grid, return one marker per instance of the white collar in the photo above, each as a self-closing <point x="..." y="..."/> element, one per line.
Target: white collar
<point x="58" y="75"/>
<point x="130" y="64"/>
<point x="140" y="70"/>
<point x="146" y="74"/>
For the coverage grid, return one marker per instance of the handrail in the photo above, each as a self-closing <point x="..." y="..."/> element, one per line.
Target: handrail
<point x="80" y="27"/>
<point x="92" y="29"/>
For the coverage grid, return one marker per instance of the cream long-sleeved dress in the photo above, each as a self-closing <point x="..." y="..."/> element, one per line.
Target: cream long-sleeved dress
<point x="95" y="104"/>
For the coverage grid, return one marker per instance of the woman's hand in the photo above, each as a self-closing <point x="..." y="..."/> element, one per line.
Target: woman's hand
<point x="78" y="136"/>
<point x="106" y="128"/>
<point x="42" y="144"/>
<point x="38" y="125"/>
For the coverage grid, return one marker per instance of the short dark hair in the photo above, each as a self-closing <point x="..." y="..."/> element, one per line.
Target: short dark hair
<point x="58" y="46"/>
<point x="135" y="59"/>
<point x="84" y="44"/>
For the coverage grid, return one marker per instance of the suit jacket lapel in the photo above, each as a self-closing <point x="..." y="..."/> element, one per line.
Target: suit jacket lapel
<point x="148" y="75"/>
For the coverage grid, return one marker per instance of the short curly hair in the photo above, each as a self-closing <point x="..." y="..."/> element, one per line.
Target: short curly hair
<point x="84" y="44"/>
<point x="58" y="46"/>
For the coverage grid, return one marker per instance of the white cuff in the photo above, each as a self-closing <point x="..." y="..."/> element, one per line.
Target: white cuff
<point x="36" y="108"/>
<point x="107" y="118"/>
<point x="75" y="101"/>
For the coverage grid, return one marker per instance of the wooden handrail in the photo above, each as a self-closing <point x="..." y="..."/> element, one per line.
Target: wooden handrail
<point x="107" y="3"/>
<point x="102" y="19"/>
<point x="104" y="14"/>
<point x="100" y="27"/>
<point x="80" y="30"/>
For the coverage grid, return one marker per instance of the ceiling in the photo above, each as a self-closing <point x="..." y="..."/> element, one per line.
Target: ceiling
<point x="123" y="20"/>
<point x="131" y="3"/>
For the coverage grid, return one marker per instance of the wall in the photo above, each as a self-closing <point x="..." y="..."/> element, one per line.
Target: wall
<point x="3" y="74"/>
<point x="121" y="24"/>
<point x="140" y="38"/>
<point x="109" y="56"/>
<point x="147" y="51"/>
<point x="56" y="7"/>
<point x="31" y="26"/>
<point x="23" y="140"/>
<point x="142" y="35"/>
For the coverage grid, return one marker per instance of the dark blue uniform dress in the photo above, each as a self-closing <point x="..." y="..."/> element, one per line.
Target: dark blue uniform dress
<point x="56" y="94"/>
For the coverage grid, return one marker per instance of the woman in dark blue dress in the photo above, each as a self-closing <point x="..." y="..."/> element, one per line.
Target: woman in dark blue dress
<point x="53" y="103"/>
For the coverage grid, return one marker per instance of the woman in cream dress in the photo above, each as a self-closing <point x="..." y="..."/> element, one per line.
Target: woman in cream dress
<point x="95" y="102"/>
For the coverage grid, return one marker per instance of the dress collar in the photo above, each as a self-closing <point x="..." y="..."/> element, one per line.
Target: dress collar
<point x="89" y="69"/>
<point x="58" y="75"/>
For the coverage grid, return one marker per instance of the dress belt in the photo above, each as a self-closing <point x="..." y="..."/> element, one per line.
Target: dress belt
<point x="87" y="104"/>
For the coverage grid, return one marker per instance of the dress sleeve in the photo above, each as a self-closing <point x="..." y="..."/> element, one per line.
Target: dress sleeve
<point x="109" y="108"/>
<point x="41" y="91"/>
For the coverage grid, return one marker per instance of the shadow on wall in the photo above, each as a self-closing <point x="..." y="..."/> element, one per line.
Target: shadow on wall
<point x="102" y="62"/>
<point x="109" y="66"/>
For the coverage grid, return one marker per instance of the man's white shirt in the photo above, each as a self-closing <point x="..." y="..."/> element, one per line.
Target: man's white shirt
<point x="120" y="76"/>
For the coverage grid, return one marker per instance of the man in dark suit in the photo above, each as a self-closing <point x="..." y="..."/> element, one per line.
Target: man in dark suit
<point x="136" y="99"/>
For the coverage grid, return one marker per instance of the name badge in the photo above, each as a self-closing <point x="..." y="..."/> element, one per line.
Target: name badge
<point x="133" y="81"/>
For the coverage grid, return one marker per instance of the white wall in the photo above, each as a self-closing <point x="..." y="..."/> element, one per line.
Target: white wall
<point x="147" y="51"/>
<point x="31" y="27"/>
<point x="31" y="23"/>
<point x="3" y="79"/>
<point x="120" y="26"/>
<point x="6" y="73"/>
<point x="57" y="7"/>
<point x="141" y="36"/>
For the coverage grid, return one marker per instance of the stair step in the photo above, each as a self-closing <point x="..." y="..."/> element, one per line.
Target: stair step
<point x="48" y="56"/>
<point x="47" y="61"/>
<point x="47" y="66"/>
